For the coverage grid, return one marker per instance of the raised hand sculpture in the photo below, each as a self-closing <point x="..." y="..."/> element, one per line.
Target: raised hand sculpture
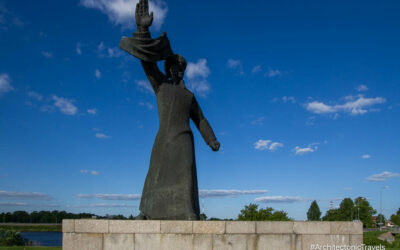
<point x="170" y="191"/>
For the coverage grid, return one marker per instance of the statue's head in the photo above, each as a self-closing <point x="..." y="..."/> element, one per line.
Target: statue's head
<point x="175" y="67"/>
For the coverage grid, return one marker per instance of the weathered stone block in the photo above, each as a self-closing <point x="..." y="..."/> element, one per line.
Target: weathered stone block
<point x="82" y="241"/>
<point x="235" y="242"/>
<point x="119" y="242"/>
<point x="274" y="227"/>
<point x="346" y="227"/>
<point x="240" y="227"/>
<point x="356" y="239"/>
<point x="68" y="226"/>
<point x="91" y="226"/>
<point x="311" y="227"/>
<point x="179" y="227"/>
<point x="134" y="226"/>
<point x="337" y="240"/>
<point x="176" y="242"/>
<point x="202" y="242"/>
<point x="208" y="227"/>
<point x="273" y="242"/>
<point x="147" y="241"/>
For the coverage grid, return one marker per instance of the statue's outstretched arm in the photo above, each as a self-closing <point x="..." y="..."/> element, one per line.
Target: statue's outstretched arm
<point x="144" y="21"/>
<point x="203" y="126"/>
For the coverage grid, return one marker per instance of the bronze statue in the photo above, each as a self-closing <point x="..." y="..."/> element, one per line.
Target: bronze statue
<point x="170" y="191"/>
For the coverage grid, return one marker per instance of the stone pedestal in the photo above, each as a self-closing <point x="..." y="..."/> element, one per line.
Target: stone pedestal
<point x="207" y="235"/>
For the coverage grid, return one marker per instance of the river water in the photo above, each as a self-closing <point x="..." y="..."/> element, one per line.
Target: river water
<point x="53" y="239"/>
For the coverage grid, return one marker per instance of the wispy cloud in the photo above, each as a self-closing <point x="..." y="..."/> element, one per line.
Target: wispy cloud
<point x="122" y="12"/>
<point x="256" y="69"/>
<point x="197" y="73"/>
<point x="267" y="145"/>
<point x="366" y="156"/>
<point x="23" y="204"/>
<point x="47" y="54"/>
<point x="223" y="193"/>
<point x="101" y="136"/>
<point x="286" y="99"/>
<point x="94" y="172"/>
<point x="8" y="18"/>
<point x="258" y="122"/>
<point x="92" y="111"/>
<point x="146" y="104"/>
<point x="382" y="176"/>
<point x="274" y="73"/>
<point x="104" y="205"/>
<point x="281" y="199"/>
<point x="5" y="83"/>
<point x="144" y="86"/>
<point x="78" y="49"/>
<point x="35" y="95"/>
<point x="355" y="105"/>
<point x="235" y="64"/>
<point x="97" y="73"/>
<point x="83" y="171"/>
<point x="309" y="149"/>
<point x="110" y="52"/>
<point x="361" y="88"/>
<point x="110" y="196"/>
<point x="65" y="106"/>
<point x="24" y="195"/>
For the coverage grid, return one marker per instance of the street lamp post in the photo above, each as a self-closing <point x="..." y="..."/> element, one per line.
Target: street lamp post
<point x="380" y="201"/>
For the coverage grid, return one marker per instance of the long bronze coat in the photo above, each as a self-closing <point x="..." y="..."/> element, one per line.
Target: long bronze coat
<point x="170" y="190"/>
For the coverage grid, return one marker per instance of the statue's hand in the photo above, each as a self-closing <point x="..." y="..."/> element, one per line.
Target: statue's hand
<point x="143" y="19"/>
<point x="214" y="145"/>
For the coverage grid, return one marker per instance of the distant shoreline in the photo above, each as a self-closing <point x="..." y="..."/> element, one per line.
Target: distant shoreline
<point x="31" y="227"/>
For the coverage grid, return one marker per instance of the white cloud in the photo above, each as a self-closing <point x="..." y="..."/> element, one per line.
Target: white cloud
<point x="23" y="204"/>
<point x="259" y="121"/>
<point x="102" y="136"/>
<point x="78" y="49"/>
<point x="83" y="171"/>
<point x="197" y="74"/>
<point x="222" y="193"/>
<point x="110" y="196"/>
<point x="267" y="145"/>
<point x="256" y="69"/>
<point x="65" y="105"/>
<point x="92" y="111"/>
<point x="355" y="105"/>
<point x="361" y="88"/>
<point x="94" y="172"/>
<point x="47" y="54"/>
<point x="274" y="73"/>
<point x="144" y="86"/>
<point x="5" y="84"/>
<point x="110" y="52"/>
<point x="35" y="95"/>
<point x="24" y="195"/>
<point x="281" y="199"/>
<point x="366" y="156"/>
<point x="146" y="104"/>
<point x="309" y="149"/>
<point x="122" y="12"/>
<point x="97" y="73"/>
<point x="235" y="64"/>
<point x="382" y="176"/>
<point x="286" y="99"/>
<point x="104" y="205"/>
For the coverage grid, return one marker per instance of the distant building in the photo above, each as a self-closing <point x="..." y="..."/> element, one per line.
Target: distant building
<point x="389" y="223"/>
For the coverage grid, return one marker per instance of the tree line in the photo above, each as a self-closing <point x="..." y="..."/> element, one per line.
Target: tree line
<point x="50" y="216"/>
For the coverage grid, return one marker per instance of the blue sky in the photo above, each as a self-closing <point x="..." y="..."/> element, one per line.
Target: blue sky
<point x="304" y="97"/>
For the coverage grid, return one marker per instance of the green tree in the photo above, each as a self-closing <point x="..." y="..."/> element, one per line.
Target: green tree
<point x="346" y="210"/>
<point x="203" y="216"/>
<point x="366" y="211"/>
<point x="331" y="215"/>
<point x="395" y="218"/>
<point x="314" y="214"/>
<point x="381" y="218"/>
<point x="252" y="213"/>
